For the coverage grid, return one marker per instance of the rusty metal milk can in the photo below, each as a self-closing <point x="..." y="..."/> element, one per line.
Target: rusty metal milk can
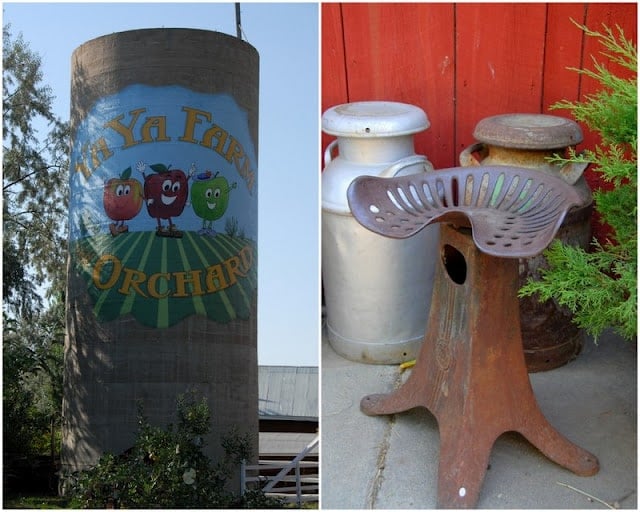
<point x="377" y="290"/>
<point x="527" y="140"/>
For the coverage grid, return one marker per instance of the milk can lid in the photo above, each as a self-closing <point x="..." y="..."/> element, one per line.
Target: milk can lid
<point x="374" y="119"/>
<point x="528" y="131"/>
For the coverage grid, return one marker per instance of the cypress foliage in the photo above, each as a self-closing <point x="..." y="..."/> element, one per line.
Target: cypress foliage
<point x="600" y="286"/>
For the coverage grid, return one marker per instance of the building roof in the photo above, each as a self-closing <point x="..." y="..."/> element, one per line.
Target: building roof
<point x="288" y="393"/>
<point x="290" y="444"/>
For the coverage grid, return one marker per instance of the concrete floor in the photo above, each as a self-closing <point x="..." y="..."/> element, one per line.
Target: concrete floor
<point x="390" y="462"/>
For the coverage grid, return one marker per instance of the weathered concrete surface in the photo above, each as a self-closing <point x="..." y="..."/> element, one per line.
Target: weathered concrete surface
<point x="391" y="462"/>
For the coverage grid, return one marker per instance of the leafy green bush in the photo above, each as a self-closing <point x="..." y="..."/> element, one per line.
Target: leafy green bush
<point x="167" y="469"/>
<point x="600" y="286"/>
<point x="32" y="382"/>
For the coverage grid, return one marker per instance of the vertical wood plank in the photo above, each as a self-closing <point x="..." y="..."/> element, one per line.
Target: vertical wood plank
<point x="334" y="80"/>
<point x="404" y="52"/>
<point x="563" y="50"/>
<point x="499" y="65"/>
<point x="333" y="75"/>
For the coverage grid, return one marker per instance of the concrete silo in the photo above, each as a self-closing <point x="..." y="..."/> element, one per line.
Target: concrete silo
<point x="162" y="278"/>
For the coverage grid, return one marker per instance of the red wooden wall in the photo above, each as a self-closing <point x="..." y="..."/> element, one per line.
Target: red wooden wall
<point x="463" y="62"/>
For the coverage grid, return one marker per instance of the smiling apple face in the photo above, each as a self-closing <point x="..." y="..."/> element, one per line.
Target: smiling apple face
<point x="210" y="195"/>
<point x="122" y="197"/>
<point x="166" y="192"/>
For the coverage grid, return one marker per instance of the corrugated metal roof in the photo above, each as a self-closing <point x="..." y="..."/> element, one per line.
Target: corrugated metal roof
<point x="288" y="392"/>
<point x="289" y="444"/>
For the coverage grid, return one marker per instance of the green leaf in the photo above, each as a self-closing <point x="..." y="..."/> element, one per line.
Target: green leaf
<point x="126" y="174"/>
<point x="159" y="168"/>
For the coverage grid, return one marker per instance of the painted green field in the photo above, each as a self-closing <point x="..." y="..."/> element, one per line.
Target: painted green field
<point x="162" y="280"/>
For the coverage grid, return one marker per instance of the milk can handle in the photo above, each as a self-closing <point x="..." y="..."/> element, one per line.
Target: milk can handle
<point x="466" y="155"/>
<point x="571" y="171"/>
<point x="408" y="161"/>
<point x="328" y="156"/>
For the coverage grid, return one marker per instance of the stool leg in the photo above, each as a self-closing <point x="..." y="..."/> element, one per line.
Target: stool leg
<point x="539" y="432"/>
<point x="471" y="375"/>
<point x="400" y="400"/>
<point x="461" y="467"/>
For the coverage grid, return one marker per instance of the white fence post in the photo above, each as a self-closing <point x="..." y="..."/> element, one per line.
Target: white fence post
<point x="243" y="477"/>
<point x="298" y="484"/>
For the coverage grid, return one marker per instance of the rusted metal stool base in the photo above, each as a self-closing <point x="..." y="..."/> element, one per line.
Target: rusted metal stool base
<point x="471" y="373"/>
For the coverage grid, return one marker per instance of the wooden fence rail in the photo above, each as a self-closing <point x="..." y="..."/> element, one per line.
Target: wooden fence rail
<point x="295" y="481"/>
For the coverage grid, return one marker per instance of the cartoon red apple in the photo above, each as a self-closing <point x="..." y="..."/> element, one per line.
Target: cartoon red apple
<point x="122" y="200"/>
<point x="166" y="193"/>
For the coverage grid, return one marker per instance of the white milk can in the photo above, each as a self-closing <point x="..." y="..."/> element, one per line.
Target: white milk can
<point x="377" y="290"/>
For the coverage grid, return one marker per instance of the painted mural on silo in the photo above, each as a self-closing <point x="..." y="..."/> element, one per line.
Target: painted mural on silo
<point x="163" y="237"/>
<point x="163" y="219"/>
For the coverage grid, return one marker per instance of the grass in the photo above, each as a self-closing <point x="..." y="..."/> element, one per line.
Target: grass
<point x="34" y="502"/>
<point x="40" y="502"/>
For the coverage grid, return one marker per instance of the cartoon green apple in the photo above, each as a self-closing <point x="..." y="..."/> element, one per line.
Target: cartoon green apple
<point x="210" y="199"/>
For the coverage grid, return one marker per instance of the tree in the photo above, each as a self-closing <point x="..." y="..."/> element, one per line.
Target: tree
<point x="32" y="382"/>
<point x="600" y="286"/>
<point x="34" y="190"/>
<point x="35" y="176"/>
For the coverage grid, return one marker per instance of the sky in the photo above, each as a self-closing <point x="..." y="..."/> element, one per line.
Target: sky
<point x="286" y="38"/>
